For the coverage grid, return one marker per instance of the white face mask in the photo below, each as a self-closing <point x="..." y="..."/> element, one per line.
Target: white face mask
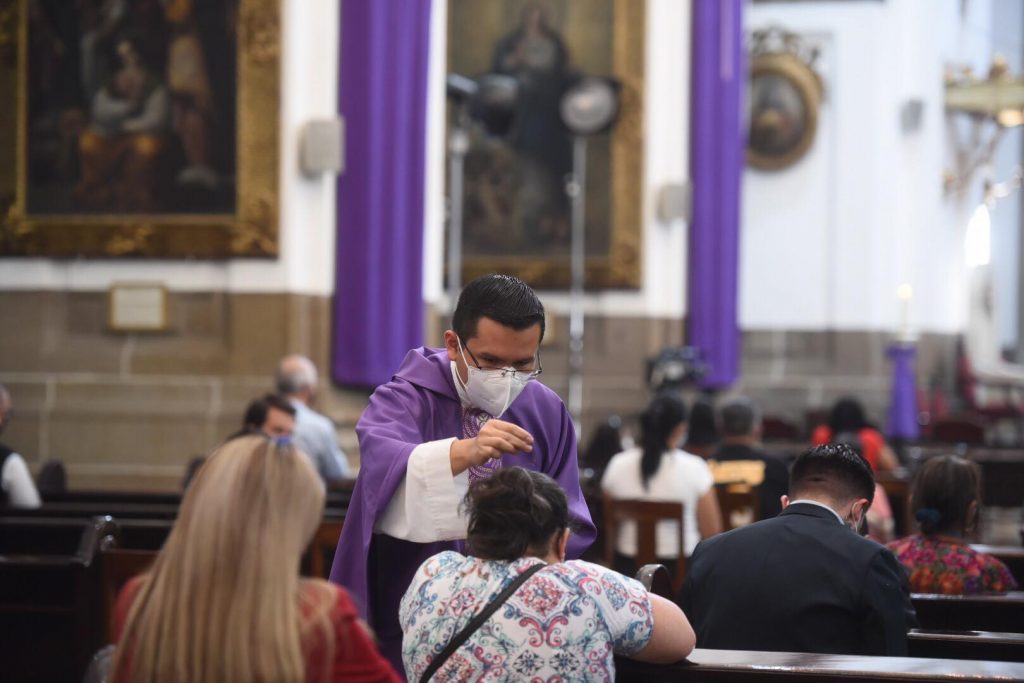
<point x="491" y="391"/>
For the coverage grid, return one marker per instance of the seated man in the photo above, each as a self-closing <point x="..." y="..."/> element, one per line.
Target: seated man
<point x="738" y="459"/>
<point x="314" y="433"/>
<point x="804" y="581"/>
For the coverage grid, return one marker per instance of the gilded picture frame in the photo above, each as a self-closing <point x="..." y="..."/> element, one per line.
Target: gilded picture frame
<point x="603" y="38"/>
<point x="238" y="214"/>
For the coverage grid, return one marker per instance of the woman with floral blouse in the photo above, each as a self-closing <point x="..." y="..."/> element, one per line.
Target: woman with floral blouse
<point x="939" y="558"/>
<point x="566" y="622"/>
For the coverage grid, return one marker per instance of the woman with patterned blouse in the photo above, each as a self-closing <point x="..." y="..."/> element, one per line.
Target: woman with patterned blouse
<point x="566" y="622"/>
<point x="939" y="559"/>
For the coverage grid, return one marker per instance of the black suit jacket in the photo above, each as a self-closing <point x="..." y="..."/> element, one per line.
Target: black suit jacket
<point x="776" y="475"/>
<point x="799" y="582"/>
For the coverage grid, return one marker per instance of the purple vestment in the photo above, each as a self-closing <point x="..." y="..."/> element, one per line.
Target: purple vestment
<point x="420" y="404"/>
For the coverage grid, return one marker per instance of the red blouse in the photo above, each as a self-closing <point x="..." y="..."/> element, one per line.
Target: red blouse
<point x="356" y="657"/>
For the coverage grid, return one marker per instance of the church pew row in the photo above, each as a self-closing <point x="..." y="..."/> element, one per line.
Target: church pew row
<point x="953" y="643"/>
<point x="741" y="666"/>
<point x="49" y="607"/>
<point x="1003" y="613"/>
<point x="58" y="584"/>
<point x="983" y="645"/>
<point x="339" y="494"/>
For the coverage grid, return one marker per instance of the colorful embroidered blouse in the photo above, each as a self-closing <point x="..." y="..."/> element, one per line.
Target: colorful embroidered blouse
<point x="942" y="565"/>
<point x="565" y="623"/>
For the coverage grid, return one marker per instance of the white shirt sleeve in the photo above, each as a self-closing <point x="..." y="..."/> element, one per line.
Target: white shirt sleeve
<point x="17" y="482"/>
<point x="426" y="506"/>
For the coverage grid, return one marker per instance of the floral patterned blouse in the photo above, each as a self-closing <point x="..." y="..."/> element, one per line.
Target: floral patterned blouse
<point x="943" y="565"/>
<point x="564" y="624"/>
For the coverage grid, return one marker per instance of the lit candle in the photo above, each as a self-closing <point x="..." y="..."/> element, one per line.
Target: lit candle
<point x="905" y="293"/>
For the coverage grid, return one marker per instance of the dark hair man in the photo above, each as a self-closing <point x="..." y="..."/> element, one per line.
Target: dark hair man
<point x="448" y="418"/>
<point x="739" y="457"/>
<point x="270" y="415"/>
<point x="803" y="581"/>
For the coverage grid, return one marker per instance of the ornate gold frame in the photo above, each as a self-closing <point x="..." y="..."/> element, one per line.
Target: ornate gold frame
<point x="251" y="231"/>
<point x="807" y="83"/>
<point x="621" y="266"/>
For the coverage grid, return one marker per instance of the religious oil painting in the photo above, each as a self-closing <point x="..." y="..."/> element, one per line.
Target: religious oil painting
<point x="517" y="214"/>
<point x="141" y="127"/>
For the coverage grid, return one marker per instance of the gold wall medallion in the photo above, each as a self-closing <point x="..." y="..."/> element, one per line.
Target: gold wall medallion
<point x="784" y="97"/>
<point x="148" y="132"/>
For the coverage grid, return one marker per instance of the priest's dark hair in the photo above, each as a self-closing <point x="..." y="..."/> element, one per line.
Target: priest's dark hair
<point x="665" y="413"/>
<point x="505" y="299"/>
<point x="514" y="512"/>
<point x="834" y="470"/>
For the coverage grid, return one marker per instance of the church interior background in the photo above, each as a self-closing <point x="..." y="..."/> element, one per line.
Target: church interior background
<point x="876" y="208"/>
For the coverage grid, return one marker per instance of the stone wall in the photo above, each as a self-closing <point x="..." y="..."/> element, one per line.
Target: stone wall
<point x="130" y="410"/>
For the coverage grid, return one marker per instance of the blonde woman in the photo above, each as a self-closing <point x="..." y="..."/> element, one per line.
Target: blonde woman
<point x="224" y="601"/>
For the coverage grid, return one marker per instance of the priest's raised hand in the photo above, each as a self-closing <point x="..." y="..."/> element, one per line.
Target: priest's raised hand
<point x="496" y="439"/>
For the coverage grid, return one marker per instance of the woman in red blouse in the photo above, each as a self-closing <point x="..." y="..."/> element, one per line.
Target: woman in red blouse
<point x="939" y="559"/>
<point x="224" y="601"/>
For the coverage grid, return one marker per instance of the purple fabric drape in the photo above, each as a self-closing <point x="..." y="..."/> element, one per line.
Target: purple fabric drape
<point x="378" y="297"/>
<point x="903" y="403"/>
<point x="716" y="163"/>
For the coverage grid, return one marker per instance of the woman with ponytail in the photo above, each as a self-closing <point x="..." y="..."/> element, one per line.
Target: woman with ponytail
<point x="940" y="558"/>
<point x="660" y="471"/>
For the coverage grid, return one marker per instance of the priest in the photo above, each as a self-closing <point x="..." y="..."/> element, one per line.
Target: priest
<point x="450" y="417"/>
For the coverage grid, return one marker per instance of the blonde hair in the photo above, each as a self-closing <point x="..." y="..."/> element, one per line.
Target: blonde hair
<point x="222" y="600"/>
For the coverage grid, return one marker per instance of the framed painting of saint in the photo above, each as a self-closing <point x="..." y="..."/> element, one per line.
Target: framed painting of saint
<point x="140" y="128"/>
<point x="517" y="213"/>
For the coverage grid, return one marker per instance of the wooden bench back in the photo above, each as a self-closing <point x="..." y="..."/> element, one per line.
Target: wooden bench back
<point x="646" y="515"/>
<point x="49" y="607"/>
<point x="743" y="666"/>
<point x="971" y="612"/>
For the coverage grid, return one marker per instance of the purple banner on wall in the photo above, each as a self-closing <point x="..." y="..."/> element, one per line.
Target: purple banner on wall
<point x="716" y="164"/>
<point x="378" y="297"/>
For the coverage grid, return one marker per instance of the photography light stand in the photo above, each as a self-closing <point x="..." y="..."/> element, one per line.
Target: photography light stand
<point x="588" y="107"/>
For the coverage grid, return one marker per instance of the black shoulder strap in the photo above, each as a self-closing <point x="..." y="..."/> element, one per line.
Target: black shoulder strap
<point x="478" y="621"/>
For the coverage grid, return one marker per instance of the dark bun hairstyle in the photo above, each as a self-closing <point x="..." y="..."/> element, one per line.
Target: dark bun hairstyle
<point x="514" y="512"/>
<point x="943" y="492"/>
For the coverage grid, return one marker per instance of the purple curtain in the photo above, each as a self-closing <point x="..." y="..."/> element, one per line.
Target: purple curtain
<point x="716" y="163"/>
<point x="378" y="297"/>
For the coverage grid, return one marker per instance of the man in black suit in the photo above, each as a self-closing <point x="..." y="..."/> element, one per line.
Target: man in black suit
<point x="803" y="581"/>
<point x="741" y="434"/>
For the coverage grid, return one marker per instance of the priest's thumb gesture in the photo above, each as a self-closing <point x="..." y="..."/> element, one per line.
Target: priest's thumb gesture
<point x="496" y="438"/>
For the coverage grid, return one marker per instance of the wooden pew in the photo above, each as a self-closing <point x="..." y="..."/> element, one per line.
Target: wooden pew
<point x="1012" y="556"/>
<point x="1002" y="471"/>
<point x="971" y="612"/>
<point x="984" y="645"/>
<point x="741" y="666"/>
<point x="48" y="603"/>
<point x="93" y="509"/>
<point x="118" y="497"/>
<point x="987" y="645"/>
